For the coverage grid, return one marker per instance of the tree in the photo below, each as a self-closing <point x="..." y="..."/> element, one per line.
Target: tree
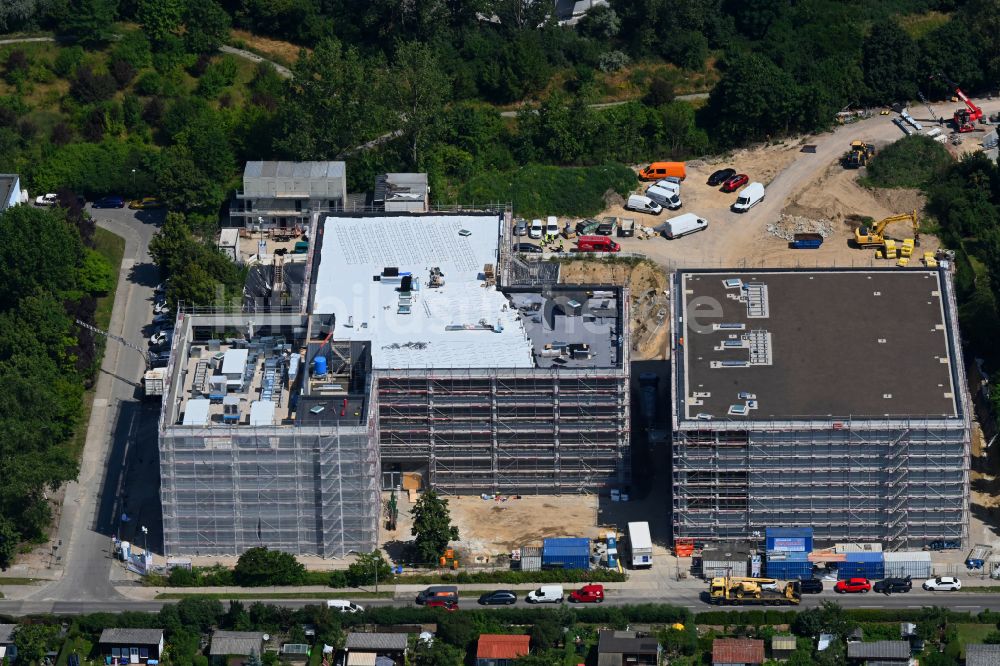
<point x="206" y="26"/>
<point x="9" y="538"/>
<point x="260" y="566"/>
<point x="753" y="100"/>
<point x="89" y="86"/>
<point x="32" y="641"/>
<point x="545" y="633"/>
<point x="419" y="91"/>
<point x="890" y="59"/>
<point x="237" y="618"/>
<point x="160" y="18"/>
<point x="436" y="653"/>
<point x="90" y="22"/>
<point x="432" y="526"/>
<point x="199" y="615"/>
<point x="363" y="571"/>
<point x="457" y="629"/>
<point x="334" y="103"/>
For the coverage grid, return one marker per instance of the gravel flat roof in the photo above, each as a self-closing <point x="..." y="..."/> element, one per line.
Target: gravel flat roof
<point x="789" y="345"/>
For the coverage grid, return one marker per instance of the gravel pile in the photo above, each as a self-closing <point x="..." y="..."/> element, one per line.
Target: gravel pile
<point x="788" y="225"/>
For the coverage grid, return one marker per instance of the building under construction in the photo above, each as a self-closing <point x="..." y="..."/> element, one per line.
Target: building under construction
<point x="281" y="425"/>
<point x="830" y="399"/>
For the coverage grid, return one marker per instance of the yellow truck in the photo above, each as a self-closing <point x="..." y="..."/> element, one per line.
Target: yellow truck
<point x="748" y="591"/>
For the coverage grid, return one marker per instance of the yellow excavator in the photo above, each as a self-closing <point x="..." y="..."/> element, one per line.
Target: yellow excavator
<point x="874" y="236"/>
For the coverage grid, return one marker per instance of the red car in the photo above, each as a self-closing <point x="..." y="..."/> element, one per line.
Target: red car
<point x="446" y="604"/>
<point x="588" y="594"/>
<point x="853" y="585"/>
<point x="735" y="183"/>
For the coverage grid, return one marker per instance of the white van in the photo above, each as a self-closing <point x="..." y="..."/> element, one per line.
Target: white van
<point x="552" y="226"/>
<point x="667" y="198"/>
<point x="749" y="196"/>
<point x="642" y="204"/>
<point x="536" y="229"/>
<point x="343" y="606"/>
<point x="682" y="225"/>
<point x="546" y="594"/>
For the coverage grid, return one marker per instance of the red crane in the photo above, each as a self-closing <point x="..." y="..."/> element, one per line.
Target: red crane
<point x="964" y="119"/>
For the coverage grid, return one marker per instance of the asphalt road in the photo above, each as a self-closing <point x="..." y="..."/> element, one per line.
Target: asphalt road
<point x="95" y="501"/>
<point x="959" y="601"/>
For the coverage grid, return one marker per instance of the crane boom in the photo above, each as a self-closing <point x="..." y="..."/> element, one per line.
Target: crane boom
<point x="964" y="119"/>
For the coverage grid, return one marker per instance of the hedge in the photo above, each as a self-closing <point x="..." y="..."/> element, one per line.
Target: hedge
<point x="757" y="618"/>
<point x="514" y="577"/>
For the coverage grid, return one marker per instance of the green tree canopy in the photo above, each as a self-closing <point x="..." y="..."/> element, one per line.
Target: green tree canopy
<point x="432" y="526"/>
<point x="259" y="566"/>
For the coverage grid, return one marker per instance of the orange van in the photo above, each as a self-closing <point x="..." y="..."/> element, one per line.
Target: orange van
<point x="660" y="170"/>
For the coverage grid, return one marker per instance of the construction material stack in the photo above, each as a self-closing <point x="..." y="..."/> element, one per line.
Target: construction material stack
<point x="747" y="591"/>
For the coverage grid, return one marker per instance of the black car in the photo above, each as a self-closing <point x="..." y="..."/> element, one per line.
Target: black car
<point x="498" y="598"/>
<point x="159" y="359"/>
<point x="891" y="585"/>
<point x="721" y="176"/>
<point x="526" y="247"/>
<point x="944" y="544"/>
<point x="109" y="202"/>
<point x="811" y="586"/>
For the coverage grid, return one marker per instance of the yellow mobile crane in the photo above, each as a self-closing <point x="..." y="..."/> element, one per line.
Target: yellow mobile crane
<point x="874" y="236"/>
<point x="762" y="591"/>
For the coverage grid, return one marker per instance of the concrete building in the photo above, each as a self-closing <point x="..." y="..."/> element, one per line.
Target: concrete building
<point x="285" y="195"/>
<point x="10" y="191"/>
<point x="832" y="399"/>
<point x="402" y="193"/>
<point x="403" y="355"/>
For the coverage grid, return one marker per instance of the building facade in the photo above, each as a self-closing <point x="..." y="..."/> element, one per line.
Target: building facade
<point x="827" y="399"/>
<point x="285" y="195"/>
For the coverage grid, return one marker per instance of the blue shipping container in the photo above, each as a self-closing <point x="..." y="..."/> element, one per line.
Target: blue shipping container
<point x="862" y="565"/>
<point x="789" y="539"/>
<point x="788" y="566"/>
<point x="566" y="553"/>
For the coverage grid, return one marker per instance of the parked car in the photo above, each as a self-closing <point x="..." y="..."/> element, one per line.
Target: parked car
<point x="109" y="202"/>
<point x="449" y="592"/>
<point x="719" y="177"/>
<point x="449" y="605"/>
<point x="642" y="204"/>
<point x="159" y="359"/>
<point x="160" y="288"/>
<point x="146" y="203"/>
<point x="498" y="598"/>
<point x="943" y="584"/>
<point x="852" y="585"/>
<point x="344" y="606"/>
<point x="161" y="307"/>
<point x="891" y="585"/>
<point x="521" y="228"/>
<point x="526" y="247"/>
<point x="588" y="594"/>
<point x="163" y="319"/>
<point x="735" y="182"/>
<point x="749" y="196"/>
<point x="944" y="544"/>
<point x="47" y="199"/>
<point x="536" y="229"/>
<point x="811" y="586"/>
<point x="161" y="337"/>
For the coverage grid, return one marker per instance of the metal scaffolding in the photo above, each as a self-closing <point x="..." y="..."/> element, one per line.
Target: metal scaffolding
<point x="901" y="481"/>
<point x="507" y="431"/>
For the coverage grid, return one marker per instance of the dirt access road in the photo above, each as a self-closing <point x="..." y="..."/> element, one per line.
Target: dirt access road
<point x="742" y="240"/>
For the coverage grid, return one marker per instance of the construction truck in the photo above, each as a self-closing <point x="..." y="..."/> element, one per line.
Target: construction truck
<point x="859" y="155"/>
<point x="867" y="236"/>
<point x="746" y="591"/>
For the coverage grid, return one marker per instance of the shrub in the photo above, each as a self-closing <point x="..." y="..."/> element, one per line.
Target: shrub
<point x="149" y="84"/>
<point x="612" y="61"/>
<point x="133" y="48"/>
<point x="67" y="61"/>
<point x="913" y="161"/>
<point x="218" y="75"/>
<point x="15" y="69"/>
<point x="123" y="72"/>
<point x="89" y="87"/>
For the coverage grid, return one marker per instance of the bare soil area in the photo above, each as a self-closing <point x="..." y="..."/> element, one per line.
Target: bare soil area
<point x="491" y="527"/>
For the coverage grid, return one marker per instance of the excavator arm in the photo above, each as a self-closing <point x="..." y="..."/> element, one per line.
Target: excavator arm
<point x="975" y="113"/>
<point x="875" y="235"/>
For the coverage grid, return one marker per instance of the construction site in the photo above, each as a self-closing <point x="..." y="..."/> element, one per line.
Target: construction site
<point x="832" y="399"/>
<point x="282" y="424"/>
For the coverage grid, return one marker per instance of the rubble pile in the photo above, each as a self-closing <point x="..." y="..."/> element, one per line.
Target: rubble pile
<point x="788" y="225"/>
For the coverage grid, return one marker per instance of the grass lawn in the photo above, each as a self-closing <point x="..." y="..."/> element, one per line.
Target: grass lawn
<point x="20" y="581"/>
<point x="973" y="633"/>
<point x="112" y="248"/>
<point x="78" y="645"/>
